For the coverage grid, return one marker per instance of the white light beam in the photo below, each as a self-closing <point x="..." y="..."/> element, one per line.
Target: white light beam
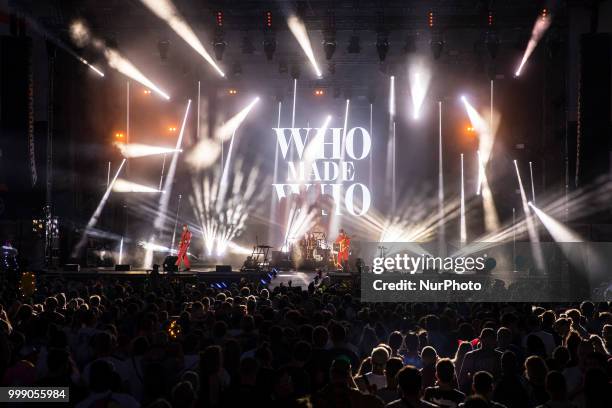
<point x="165" y="10"/>
<point x="298" y="29"/>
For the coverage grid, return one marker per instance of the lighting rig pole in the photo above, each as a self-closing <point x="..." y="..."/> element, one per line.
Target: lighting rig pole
<point x="513" y="239"/>
<point x="178" y="208"/>
<point x="50" y="231"/>
<point x="441" y="228"/>
<point x="127" y="163"/>
<point x="198" y="115"/>
<point x="371" y="153"/>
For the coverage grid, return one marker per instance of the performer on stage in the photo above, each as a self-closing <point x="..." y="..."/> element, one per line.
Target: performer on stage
<point x="183" y="248"/>
<point x="344" y="245"/>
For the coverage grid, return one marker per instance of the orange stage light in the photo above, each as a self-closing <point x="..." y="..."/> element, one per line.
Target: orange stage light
<point x="232" y="91"/>
<point x="147" y="92"/>
<point x="319" y="92"/>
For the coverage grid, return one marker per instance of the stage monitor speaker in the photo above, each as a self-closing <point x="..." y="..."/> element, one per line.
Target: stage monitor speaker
<point x="123" y="267"/>
<point x="170" y="264"/>
<point x="72" y="268"/>
<point x="223" y="268"/>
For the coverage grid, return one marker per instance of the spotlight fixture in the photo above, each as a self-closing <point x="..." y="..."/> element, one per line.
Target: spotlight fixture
<point x="219" y="47"/>
<point x="437" y="45"/>
<point x="119" y="137"/>
<point x="219" y="41"/>
<point x="319" y="92"/>
<point x="162" y="47"/>
<point x="295" y="71"/>
<point x="269" y="42"/>
<point x="146" y="92"/>
<point x="382" y="45"/>
<point x="278" y="96"/>
<point x="329" y="47"/>
<point x="219" y="18"/>
<point x="491" y="72"/>
<point x="172" y="129"/>
<point x="492" y="42"/>
<point x="329" y="35"/>
<point x="268" y="17"/>
<point x="232" y="91"/>
<point x="354" y="47"/>
<point x="372" y="95"/>
<point x="247" y="45"/>
<point x="269" y="46"/>
<point x="236" y="69"/>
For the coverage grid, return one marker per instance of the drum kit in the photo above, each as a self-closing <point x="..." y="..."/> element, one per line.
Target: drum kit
<point x="314" y="248"/>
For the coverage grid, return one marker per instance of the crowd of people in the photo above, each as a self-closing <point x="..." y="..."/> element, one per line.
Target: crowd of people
<point x="179" y="344"/>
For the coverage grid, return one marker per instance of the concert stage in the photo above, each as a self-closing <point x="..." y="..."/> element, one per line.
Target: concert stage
<point x="201" y="274"/>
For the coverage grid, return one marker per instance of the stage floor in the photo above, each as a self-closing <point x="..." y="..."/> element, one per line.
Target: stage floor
<point x="296" y="277"/>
